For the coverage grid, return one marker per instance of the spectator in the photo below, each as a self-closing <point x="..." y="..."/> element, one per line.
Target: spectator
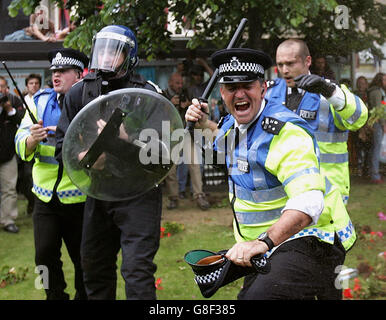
<point x="196" y="89"/>
<point x="40" y="28"/>
<point x="32" y="83"/>
<point x="321" y="68"/>
<point x="61" y="34"/>
<point x="377" y="100"/>
<point x="361" y="139"/>
<point x="362" y="86"/>
<point x="176" y="95"/>
<point x="214" y="110"/>
<point x="197" y="72"/>
<point x="223" y="111"/>
<point x="11" y="113"/>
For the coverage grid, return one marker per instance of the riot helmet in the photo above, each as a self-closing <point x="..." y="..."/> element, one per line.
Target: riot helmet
<point x="114" y="51"/>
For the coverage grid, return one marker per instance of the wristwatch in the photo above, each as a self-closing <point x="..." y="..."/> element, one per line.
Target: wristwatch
<point x="267" y="240"/>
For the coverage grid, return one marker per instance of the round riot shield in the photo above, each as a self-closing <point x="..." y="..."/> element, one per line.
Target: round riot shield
<point x="119" y="145"/>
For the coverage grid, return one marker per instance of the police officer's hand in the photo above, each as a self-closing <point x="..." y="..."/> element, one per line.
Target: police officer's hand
<point x="197" y="112"/>
<point x="122" y="131"/>
<point x="99" y="164"/>
<point x="242" y="252"/>
<point x="315" y="84"/>
<point x="39" y="133"/>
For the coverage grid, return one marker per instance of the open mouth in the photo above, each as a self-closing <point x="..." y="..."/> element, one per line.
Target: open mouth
<point x="242" y="106"/>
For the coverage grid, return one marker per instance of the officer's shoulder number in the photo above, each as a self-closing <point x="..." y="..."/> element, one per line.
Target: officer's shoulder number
<point x="272" y="125"/>
<point x="271" y="83"/>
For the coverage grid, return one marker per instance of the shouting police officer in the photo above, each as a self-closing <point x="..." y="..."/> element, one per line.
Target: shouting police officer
<point x="282" y="205"/>
<point x="131" y="225"/>
<point x="59" y="204"/>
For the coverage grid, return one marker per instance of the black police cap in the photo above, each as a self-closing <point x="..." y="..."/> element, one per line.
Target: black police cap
<point x="67" y="58"/>
<point x="240" y="64"/>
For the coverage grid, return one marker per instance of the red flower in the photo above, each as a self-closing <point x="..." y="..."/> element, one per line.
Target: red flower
<point x="347" y="293"/>
<point x="357" y="285"/>
<point x="158" y="284"/>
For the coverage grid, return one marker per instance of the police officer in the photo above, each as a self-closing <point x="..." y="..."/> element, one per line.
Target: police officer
<point x="330" y="109"/>
<point x="131" y="225"/>
<point x="282" y="205"/>
<point x="59" y="204"/>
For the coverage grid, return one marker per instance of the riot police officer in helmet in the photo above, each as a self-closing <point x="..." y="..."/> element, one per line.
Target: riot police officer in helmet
<point x="131" y="225"/>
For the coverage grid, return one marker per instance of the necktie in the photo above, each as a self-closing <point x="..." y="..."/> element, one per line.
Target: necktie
<point x="61" y="99"/>
<point x="293" y="99"/>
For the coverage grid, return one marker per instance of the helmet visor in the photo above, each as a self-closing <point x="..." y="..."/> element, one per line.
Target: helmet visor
<point x="111" y="52"/>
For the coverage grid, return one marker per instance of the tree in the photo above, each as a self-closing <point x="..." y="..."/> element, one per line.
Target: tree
<point x="359" y="25"/>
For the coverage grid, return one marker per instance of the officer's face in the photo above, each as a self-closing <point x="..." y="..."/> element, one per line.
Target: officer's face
<point x="243" y="99"/>
<point x="291" y="64"/>
<point x="63" y="79"/>
<point x="109" y="60"/>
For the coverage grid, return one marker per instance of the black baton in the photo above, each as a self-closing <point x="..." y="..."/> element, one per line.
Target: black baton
<point x="20" y="94"/>
<point x="213" y="80"/>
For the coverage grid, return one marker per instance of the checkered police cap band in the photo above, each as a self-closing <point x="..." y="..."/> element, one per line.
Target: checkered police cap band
<point x="235" y="66"/>
<point x="59" y="60"/>
<point x="208" y="278"/>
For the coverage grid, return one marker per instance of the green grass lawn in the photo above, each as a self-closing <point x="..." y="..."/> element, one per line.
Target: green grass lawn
<point x="175" y="277"/>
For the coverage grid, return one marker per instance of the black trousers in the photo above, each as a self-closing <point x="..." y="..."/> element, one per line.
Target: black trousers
<point x="24" y="182"/>
<point x="301" y="269"/>
<point x="54" y="222"/>
<point x="130" y="225"/>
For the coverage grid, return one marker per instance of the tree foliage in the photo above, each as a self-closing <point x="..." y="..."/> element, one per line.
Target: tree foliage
<point x="269" y="22"/>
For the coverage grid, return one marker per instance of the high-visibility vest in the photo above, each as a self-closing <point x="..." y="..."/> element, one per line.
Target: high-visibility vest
<point x="276" y="160"/>
<point x="330" y="128"/>
<point x="47" y="172"/>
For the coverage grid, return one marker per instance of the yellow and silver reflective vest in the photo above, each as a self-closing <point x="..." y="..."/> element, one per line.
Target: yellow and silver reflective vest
<point x="48" y="175"/>
<point x="330" y="128"/>
<point x="277" y="159"/>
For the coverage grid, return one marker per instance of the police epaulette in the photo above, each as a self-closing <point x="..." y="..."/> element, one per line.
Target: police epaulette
<point x="271" y="83"/>
<point x="272" y="125"/>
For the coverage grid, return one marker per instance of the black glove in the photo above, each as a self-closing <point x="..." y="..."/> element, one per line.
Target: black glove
<point x="315" y="84"/>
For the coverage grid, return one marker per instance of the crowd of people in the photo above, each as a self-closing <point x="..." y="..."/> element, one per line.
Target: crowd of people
<point x="281" y="130"/>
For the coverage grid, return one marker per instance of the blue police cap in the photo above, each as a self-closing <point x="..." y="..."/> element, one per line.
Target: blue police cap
<point x="67" y="58"/>
<point x="240" y="64"/>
